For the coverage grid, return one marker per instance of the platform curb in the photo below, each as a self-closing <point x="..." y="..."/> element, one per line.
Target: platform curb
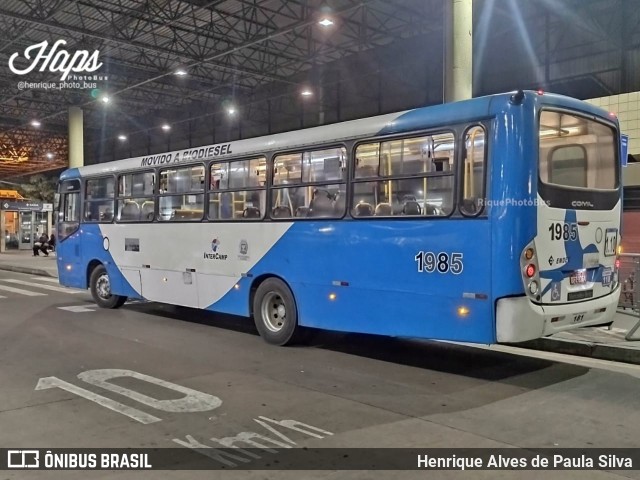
<point x="31" y="271"/>
<point x="584" y="349"/>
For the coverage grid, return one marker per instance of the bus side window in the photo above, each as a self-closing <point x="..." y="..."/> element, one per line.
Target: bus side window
<point x="130" y="211"/>
<point x="135" y="201"/>
<point x="473" y="182"/>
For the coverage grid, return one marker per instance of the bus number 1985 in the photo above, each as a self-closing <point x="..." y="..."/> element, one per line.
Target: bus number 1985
<point x="442" y="262"/>
<point x="563" y="231"/>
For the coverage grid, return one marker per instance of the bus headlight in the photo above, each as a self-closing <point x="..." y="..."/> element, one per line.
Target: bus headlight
<point x="533" y="287"/>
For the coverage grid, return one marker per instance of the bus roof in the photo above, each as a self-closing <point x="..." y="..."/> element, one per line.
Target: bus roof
<point x="399" y="122"/>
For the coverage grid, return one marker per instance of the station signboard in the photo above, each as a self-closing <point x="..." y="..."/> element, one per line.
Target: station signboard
<point x="22" y="205"/>
<point x="624" y="148"/>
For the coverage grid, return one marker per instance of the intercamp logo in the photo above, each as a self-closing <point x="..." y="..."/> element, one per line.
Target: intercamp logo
<point x="55" y="60"/>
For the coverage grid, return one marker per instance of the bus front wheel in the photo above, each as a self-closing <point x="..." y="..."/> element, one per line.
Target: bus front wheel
<point x="275" y="313"/>
<point x="100" y="285"/>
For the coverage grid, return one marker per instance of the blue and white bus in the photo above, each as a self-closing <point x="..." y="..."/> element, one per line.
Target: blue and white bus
<point x="494" y="219"/>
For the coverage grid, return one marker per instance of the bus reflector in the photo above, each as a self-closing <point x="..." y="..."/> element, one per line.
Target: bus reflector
<point x="237" y="286"/>
<point x="540" y="92"/>
<point x="463" y="311"/>
<point x="617" y="263"/>
<point x="332" y="296"/>
<point x="530" y="270"/>
<point x="476" y="296"/>
<point x="557" y="319"/>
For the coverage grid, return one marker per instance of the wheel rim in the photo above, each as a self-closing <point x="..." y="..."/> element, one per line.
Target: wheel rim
<point x="103" y="287"/>
<point x="274" y="312"/>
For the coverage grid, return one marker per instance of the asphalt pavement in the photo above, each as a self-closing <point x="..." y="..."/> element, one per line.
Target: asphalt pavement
<point x="76" y="376"/>
<point x="607" y="343"/>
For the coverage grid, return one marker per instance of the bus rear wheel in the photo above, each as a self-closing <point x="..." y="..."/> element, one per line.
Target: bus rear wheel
<point x="275" y="313"/>
<point x="100" y="286"/>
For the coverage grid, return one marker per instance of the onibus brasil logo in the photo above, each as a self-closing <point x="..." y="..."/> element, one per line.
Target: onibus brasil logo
<point x="56" y="60"/>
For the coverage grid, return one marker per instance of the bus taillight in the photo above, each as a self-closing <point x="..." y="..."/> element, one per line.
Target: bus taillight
<point x="530" y="271"/>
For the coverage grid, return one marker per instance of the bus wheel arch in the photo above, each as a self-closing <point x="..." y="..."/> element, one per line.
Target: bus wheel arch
<point x="90" y="268"/>
<point x="100" y="287"/>
<point x="274" y="310"/>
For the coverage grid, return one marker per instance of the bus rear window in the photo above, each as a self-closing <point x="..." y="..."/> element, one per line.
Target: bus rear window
<point x="568" y="166"/>
<point x="577" y="152"/>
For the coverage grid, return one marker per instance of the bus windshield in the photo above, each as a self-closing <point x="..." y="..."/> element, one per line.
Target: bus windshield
<point x="577" y="152"/>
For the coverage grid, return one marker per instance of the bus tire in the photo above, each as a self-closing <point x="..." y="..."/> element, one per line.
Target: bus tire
<point x="275" y="313"/>
<point x="100" y="286"/>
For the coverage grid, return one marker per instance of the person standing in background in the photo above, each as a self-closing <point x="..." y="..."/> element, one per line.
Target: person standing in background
<point x="44" y="244"/>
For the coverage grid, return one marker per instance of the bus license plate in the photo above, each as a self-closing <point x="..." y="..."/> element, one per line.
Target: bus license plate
<point x="578" y="278"/>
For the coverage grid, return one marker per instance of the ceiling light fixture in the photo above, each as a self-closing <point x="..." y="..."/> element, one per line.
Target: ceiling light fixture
<point x="166" y="127"/>
<point x="122" y="138"/>
<point x="35" y="123"/>
<point x="326" y="22"/>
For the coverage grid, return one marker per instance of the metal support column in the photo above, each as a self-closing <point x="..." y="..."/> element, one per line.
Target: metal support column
<point x="76" y="138"/>
<point x="3" y="236"/>
<point x="50" y="223"/>
<point x="458" y="50"/>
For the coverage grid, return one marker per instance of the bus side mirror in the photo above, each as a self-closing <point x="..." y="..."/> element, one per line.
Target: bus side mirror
<point x="516" y="98"/>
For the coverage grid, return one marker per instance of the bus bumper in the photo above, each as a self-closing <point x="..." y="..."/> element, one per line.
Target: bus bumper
<point x="519" y="320"/>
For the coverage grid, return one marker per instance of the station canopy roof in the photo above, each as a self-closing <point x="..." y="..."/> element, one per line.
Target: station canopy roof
<point x="184" y="64"/>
